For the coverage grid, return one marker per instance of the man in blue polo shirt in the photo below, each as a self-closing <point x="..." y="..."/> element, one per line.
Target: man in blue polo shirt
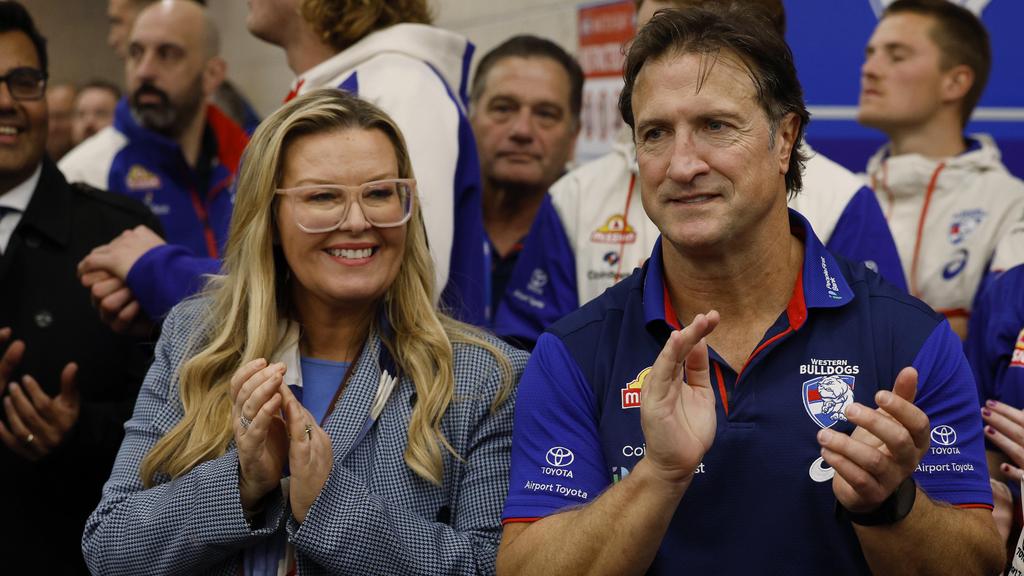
<point x="826" y="423"/>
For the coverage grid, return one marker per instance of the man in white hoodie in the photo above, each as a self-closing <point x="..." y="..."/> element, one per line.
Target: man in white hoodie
<point x="948" y="198"/>
<point x="388" y="54"/>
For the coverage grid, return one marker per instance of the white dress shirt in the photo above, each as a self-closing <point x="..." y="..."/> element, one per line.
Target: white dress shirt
<point x="13" y="205"/>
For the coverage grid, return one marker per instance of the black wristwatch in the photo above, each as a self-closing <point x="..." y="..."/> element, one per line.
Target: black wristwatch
<point x="893" y="509"/>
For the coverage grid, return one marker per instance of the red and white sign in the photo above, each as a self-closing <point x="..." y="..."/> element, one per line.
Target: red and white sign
<point x="604" y="29"/>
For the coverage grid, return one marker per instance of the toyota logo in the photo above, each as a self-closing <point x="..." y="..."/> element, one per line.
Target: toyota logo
<point x="944" y="435"/>
<point x="559" y="457"/>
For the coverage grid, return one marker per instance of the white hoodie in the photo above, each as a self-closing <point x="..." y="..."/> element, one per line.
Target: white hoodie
<point x="947" y="218"/>
<point x="418" y="74"/>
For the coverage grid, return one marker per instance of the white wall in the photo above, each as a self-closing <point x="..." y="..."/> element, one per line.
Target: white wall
<point x="489" y="22"/>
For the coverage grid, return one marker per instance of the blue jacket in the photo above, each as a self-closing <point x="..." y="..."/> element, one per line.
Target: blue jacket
<point x="131" y="160"/>
<point x="995" y="339"/>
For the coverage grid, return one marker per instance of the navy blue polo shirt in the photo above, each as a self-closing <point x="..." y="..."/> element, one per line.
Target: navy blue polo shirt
<point x="762" y="498"/>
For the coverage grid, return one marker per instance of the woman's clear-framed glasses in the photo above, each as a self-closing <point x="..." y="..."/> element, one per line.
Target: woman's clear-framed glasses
<point x="322" y="208"/>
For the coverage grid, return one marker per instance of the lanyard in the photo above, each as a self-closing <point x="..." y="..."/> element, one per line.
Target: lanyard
<point x="625" y="225"/>
<point x="929" y="192"/>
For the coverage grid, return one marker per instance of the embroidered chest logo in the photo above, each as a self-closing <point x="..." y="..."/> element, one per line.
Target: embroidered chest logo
<point x="631" y="393"/>
<point x="827" y="396"/>
<point x="614" y="231"/>
<point x="964" y="223"/>
<point x="1018" y="352"/>
<point x="538" y="280"/>
<point x="139" y="178"/>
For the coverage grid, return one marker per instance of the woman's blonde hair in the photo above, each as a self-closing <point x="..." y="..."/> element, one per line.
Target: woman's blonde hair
<point x="251" y="296"/>
<point x="342" y="23"/>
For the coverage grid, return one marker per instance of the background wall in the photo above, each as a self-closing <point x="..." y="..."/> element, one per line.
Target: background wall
<point x="828" y="56"/>
<point x="76" y="35"/>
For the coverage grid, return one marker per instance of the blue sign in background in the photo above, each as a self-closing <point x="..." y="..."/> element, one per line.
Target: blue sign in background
<point x="828" y="39"/>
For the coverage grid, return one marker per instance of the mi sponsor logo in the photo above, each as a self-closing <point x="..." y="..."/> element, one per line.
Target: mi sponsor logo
<point x="1017" y="361"/>
<point x="139" y="178"/>
<point x="614" y="231"/>
<point x="631" y="394"/>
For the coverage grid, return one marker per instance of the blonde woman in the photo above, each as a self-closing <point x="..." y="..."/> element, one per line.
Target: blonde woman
<point x="318" y="358"/>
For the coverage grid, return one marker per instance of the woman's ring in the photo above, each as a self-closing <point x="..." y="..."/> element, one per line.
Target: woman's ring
<point x="30" y="438"/>
<point x="309" y="431"/>
<point x="245" y="422"/>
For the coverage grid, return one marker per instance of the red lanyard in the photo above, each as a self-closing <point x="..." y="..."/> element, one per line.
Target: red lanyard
<point x="920" y="221"/>
<point x="625" y="226"/>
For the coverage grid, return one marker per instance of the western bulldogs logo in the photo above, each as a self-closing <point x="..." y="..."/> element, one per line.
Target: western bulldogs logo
<point x="826" y="398"/>
<point x="538" y="280"/>
<point x="975" y="6"/>
<point x="963" y="224"/>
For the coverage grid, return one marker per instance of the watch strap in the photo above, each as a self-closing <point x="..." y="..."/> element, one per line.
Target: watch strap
<point x="895" y="508"/>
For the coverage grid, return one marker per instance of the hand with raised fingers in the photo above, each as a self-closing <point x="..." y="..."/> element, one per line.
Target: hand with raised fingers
<point x="310" y="457"/>
<point x="677" y="408"/>
<point x="36" y="423"/>
<point x="1004" y="427"/>
<point x="260" y="433"/>
<point x="883" y="451"/>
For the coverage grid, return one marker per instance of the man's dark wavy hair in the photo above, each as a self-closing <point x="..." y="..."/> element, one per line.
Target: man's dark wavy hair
<point x="737" y="28"/>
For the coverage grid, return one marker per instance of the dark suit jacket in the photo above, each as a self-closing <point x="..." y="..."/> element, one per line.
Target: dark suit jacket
<point x="45" y="504"/>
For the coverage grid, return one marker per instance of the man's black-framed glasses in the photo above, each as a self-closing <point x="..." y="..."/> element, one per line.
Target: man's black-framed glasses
<point x="25" y="83"/>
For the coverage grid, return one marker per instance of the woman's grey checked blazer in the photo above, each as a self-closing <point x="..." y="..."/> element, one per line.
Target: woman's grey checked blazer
<point x="374" y="515"/>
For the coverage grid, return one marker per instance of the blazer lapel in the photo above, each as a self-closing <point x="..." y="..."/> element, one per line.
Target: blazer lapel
<point x="352" y="409"/>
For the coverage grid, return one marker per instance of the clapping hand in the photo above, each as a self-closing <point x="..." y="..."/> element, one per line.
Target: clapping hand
<point x="677" y="415"/>
<point x="36" y="423"/>
<point x="883" y="451"/>
<point x="310" y="457"/>
<point x="259" y="429"/>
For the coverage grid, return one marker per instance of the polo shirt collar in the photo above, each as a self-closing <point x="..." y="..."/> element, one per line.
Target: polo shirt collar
<point x="819" y="284"/>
